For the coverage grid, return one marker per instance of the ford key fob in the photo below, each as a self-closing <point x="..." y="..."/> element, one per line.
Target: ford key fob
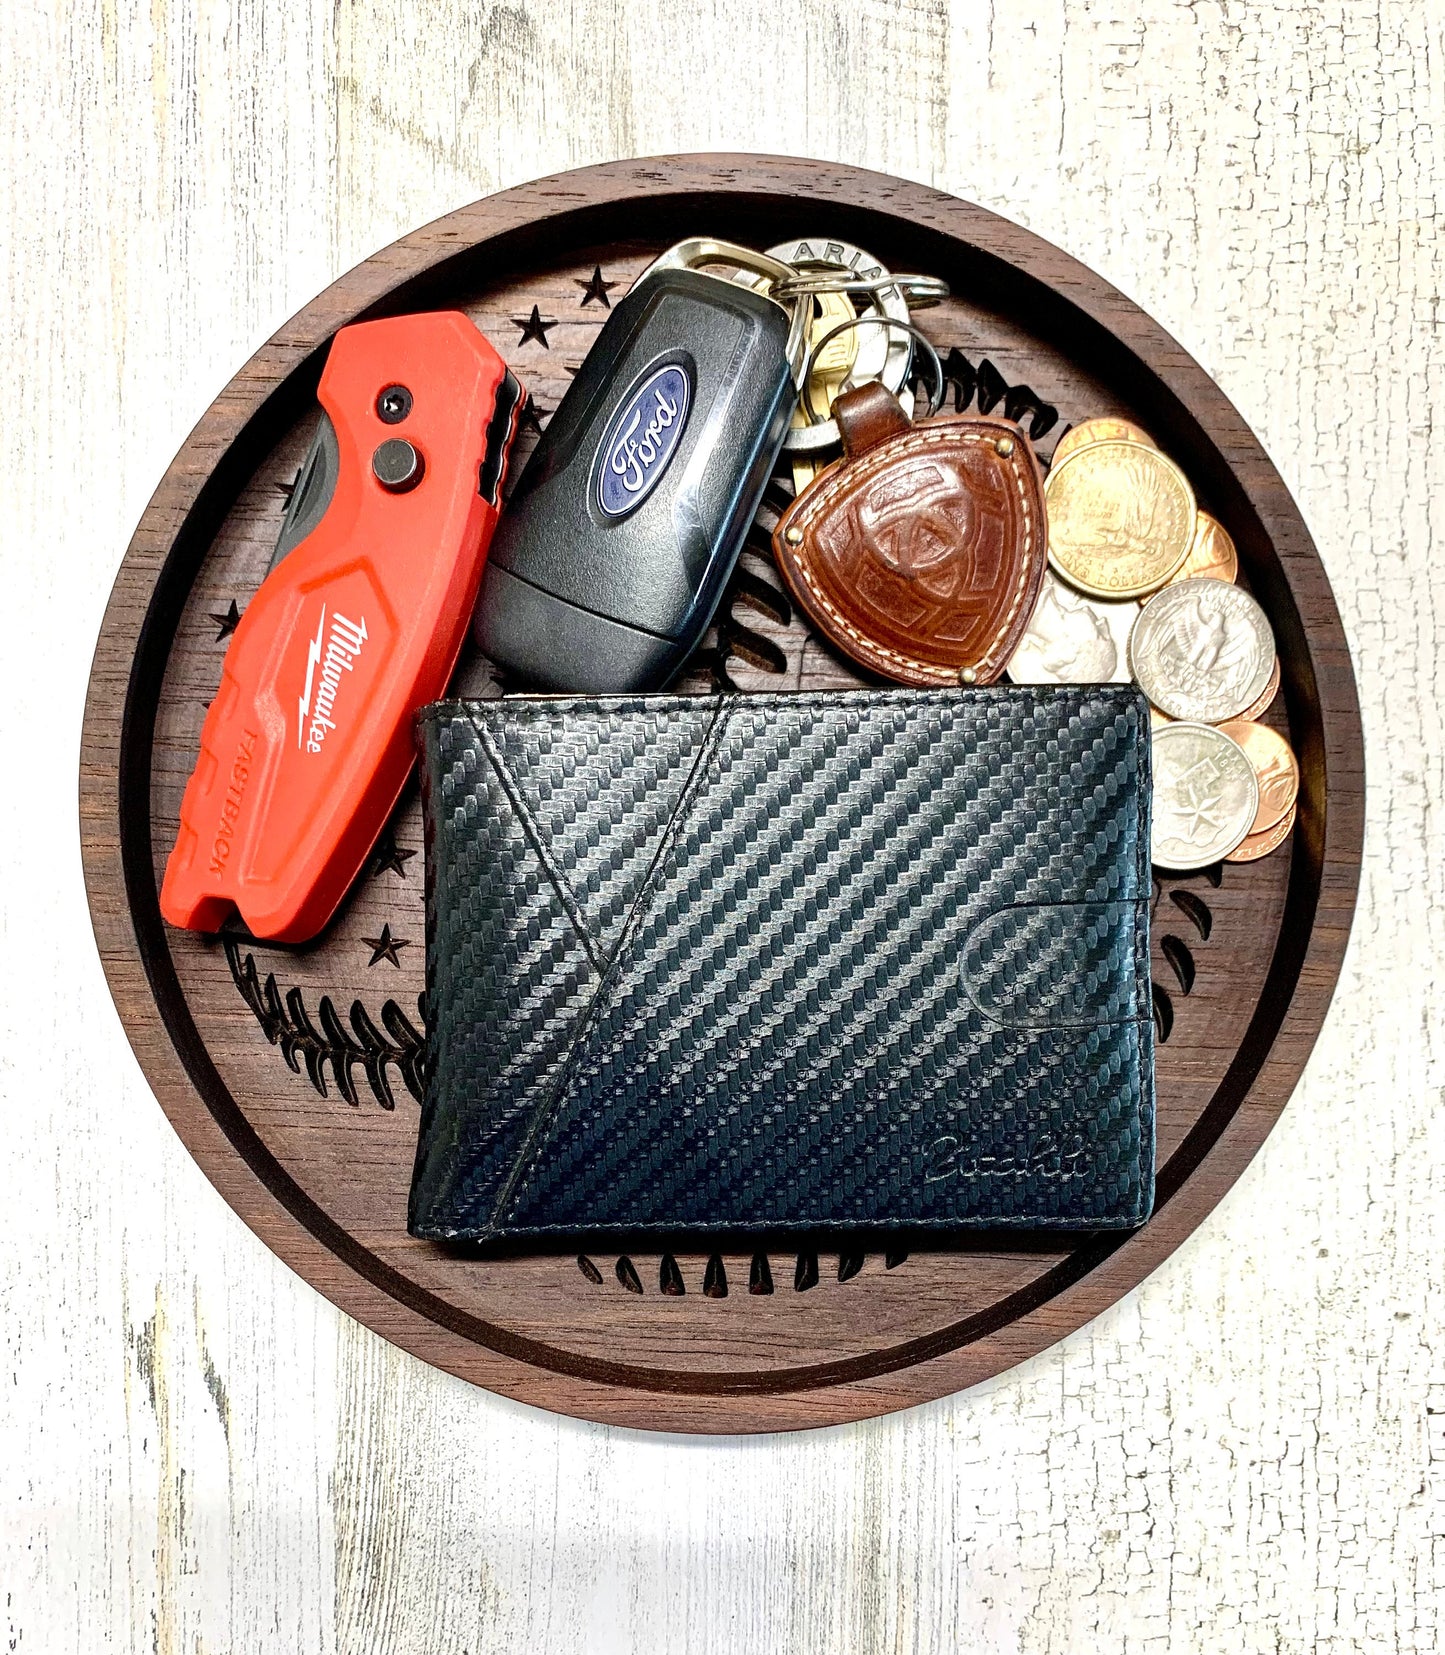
<point x="625" y="524"/>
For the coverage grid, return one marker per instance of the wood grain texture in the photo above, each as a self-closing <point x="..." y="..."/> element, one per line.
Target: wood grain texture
<point x="196" y="1451"/>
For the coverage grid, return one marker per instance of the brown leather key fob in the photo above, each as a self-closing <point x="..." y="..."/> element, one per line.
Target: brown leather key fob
<point x="919" y="554"/>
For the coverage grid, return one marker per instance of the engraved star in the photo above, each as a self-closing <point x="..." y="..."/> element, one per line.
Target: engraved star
<point x="596" y="289"/>
<point x="228" y="622"/>
<point x="535" y="327"/>
<point x="288" y="489"/>
<point x="532" y="415"/>
<point x="388" y="854"/>
<point x="385" y="947"/>
<point x="1201" y="816"/>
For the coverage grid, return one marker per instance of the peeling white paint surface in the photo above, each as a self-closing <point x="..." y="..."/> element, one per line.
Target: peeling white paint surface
<point x="196" y="1452"/>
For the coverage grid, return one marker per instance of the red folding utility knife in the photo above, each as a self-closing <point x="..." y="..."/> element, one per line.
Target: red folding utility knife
<point x="358" y="622"/>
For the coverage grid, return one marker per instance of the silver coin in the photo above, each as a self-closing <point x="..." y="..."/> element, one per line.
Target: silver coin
<point x="884" y="354"/>
<point x="1073" y="639"/>
<point x="1206" y="795"/>
<point x="1202" y="650"/>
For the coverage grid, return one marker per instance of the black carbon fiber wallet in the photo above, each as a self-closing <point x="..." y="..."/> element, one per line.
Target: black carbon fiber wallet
<point x="787" y="962"/>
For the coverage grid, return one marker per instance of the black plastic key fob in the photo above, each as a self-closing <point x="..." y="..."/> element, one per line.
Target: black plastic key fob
<point x="625" y="525"/>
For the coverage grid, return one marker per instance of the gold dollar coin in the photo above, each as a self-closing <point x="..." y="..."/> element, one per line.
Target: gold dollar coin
<point x="1211" y="553"/>
<point x="1121" y="519"/>
<point x="1099" y="430"/>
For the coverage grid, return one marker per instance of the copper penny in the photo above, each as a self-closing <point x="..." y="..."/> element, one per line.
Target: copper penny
<point x="1257" y="709"/>
<point x="1211" y="552"/>
<point x="1256" y="845"/>
<point x="1107" y="429"/>
<point x="1275" y="768"/>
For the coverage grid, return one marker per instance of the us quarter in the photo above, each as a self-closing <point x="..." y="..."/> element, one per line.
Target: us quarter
<point x="1074" y="640"/>
<point x="1205" y="796"/>
<point x="1257" y="709"/>
<point x="882" y="353"/>
<point x="1202" y="650"/>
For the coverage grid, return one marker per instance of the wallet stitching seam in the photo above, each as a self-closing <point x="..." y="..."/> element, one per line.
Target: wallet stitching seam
<point x="1144" y="785"/>
<point x="565" y="894"/>
<point x="525" y="1159"/>
<point x="791" y="1227"/>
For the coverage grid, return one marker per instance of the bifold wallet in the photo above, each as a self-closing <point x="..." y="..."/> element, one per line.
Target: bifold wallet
<point x="776" y="963"/>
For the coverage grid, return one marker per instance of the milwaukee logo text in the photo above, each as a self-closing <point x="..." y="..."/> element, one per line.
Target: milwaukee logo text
<point x="330" y="654"/>
<point x="231" y="804"/>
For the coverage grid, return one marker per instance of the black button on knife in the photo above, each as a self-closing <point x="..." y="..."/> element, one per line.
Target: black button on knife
<point x="397" y="465"/>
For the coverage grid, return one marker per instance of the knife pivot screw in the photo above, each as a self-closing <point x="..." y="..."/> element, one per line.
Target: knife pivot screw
<point x="794" y="536"/>
<point x="393" y="405"/>
<point x="396" y="465"/>
<point x="1005" y="446"/>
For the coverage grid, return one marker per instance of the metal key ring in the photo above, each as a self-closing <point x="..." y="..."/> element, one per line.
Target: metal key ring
<point x="919" y="338"/>
<point x="919" y="292"/>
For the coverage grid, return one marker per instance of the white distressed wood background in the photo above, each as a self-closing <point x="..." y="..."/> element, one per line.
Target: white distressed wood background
<point x="196" y="1452"/>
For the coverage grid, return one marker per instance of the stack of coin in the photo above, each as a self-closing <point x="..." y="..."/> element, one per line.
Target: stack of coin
<point x="1143" y="587"/>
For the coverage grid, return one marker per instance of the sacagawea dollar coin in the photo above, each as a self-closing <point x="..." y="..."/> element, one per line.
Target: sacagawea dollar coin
<point x="1258" y="708"/>
<point x="1121" y="519"/>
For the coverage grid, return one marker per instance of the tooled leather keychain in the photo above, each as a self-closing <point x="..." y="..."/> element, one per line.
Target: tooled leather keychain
<point x="920" y="554"/>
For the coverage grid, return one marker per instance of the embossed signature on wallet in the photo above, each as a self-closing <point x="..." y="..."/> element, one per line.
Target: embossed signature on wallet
<point x="1047" y="1156"/>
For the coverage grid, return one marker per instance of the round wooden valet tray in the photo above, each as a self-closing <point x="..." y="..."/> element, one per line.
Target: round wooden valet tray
<point x="292" y="1075"/>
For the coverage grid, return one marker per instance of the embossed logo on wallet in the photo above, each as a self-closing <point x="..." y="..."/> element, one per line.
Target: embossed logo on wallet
<point x="1046" y="1156"/>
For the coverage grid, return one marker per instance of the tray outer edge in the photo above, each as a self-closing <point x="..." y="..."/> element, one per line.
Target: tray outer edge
<point x="367" y="285"/>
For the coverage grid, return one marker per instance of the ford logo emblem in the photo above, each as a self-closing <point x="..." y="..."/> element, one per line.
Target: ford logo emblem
<point x="642" y="437"/>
